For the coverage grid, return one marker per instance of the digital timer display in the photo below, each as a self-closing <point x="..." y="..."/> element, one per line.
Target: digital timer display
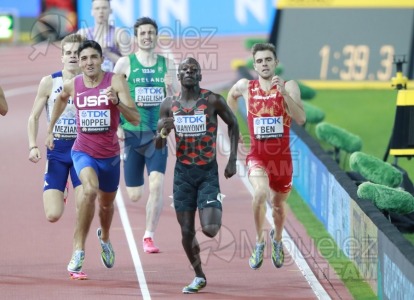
<point x="346" y="44"/>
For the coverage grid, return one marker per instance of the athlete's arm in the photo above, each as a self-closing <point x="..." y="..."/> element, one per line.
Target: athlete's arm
<point x="4" y="108"/>
<point x="122" y="66"/>
<point x="226" y="114"/>
<point x="123" y="99"/>
<point x="237" y="90"/>
<point x="165" y="123"/>
<point x="43" y="93"/>
<point x="58" y="108"/>
<point x="293" y="101"/>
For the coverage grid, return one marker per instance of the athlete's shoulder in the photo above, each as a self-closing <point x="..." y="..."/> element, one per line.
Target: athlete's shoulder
<point x="212" y="97"/>
<point x="122" y="65"/>
<point x="242" y="84"/>
<point x="46" y="81"/>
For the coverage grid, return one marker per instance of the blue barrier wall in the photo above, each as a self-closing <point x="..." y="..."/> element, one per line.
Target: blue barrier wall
<point x="228" y="17"/>
<point x="384" y="258"/>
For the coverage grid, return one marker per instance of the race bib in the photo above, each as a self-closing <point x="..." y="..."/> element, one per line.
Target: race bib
<point x="268" y="127"/>
<point x="149" y="96"/>
<point x="190" y="125"/>
<point x="65" y="129"/>
<point x="95" y="121"/>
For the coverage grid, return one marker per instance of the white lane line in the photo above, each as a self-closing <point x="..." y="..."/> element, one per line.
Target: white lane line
<point x="292" y="249"/>
<point x="132" y="246"/>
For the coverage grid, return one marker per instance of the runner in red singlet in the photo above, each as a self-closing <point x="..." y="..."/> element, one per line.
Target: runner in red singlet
<point x="271" y="104"/>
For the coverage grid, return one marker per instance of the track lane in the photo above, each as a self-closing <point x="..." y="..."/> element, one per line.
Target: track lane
<point x="35" y="253"/>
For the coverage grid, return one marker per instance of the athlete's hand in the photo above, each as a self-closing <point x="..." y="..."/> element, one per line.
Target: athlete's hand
<point x="231" y="168"/>
<point x="50" y="144"/>
<point x="34" y="155"/>
<point x="112" y="95"/>
<point x="168" y="124"/>
<point x="280" y="85"/>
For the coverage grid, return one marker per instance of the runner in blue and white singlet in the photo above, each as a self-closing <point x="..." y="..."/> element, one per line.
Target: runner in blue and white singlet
<point x="59" y="163"/>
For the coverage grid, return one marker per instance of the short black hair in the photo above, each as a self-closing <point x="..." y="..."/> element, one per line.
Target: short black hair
<point x="190" y="60"/>
<point x="90" y="44"/>
<point x="144" y="21"/>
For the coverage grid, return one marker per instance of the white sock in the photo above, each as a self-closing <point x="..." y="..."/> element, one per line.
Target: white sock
<point x="148" y="234"/>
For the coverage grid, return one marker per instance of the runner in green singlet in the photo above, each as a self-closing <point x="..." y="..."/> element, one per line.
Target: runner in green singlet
<point x="151" y="77"/>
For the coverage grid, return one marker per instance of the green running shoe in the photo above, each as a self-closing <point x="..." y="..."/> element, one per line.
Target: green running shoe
<point x="76" y="262"/>
<point x="195" y="286"/>
<point x="256" y="259"/>
<point x="278" y="256"/>
<point x="107" y="254"/>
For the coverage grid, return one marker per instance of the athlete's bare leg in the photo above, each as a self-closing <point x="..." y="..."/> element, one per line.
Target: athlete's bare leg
<point x="189" y="241"/>
<point x="279" y="212"/>
<point x="86" y="208"/>
<point x="210" y="220"/>
<point x="106" y="212"/>
<point x="135" y="192"/>
<point x="260" y="183"/>
<point x="155" y="200"/>
<point x="53" y="204"/>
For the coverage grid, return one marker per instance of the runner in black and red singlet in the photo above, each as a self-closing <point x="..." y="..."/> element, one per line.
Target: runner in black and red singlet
<point x="193" y="116"/>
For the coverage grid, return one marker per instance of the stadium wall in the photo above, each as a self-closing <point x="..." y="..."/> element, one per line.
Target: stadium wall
<point x="384" y="258"/>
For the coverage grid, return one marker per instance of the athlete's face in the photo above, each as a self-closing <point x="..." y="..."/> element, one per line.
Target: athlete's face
<point x="146" y="37"/>
<point x="265" y="63"/>
<point x="101" y="11"/>
<point x="90" y="62"/>
<point x="189" y="73"/>
<point x="70" y="56"/>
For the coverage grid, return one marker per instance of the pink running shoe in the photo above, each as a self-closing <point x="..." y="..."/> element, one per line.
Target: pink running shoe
<point x="78" y="275"/>
<point x="149" y="246"/>
<point x="66" y="193"/>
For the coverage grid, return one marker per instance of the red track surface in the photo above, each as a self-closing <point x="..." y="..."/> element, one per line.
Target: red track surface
<point x="34" y="253"/>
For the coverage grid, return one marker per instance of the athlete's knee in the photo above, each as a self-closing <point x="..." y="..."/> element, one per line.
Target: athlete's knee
<point x="211" y="230"/>
<point x="134" y="193"/>
<point x="187" y="233"/>
<point x="156" y="181"/>
<point x="53" y="217"/>
<point x="90" y="191"/>
<point x="106" y="206"/>
<point x="53" y="204"/>
<point x="278" y="210"/>
<point x="260" y="196"/>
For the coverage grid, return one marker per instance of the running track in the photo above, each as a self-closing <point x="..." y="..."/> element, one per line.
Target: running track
<point x="34" y="253"/>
